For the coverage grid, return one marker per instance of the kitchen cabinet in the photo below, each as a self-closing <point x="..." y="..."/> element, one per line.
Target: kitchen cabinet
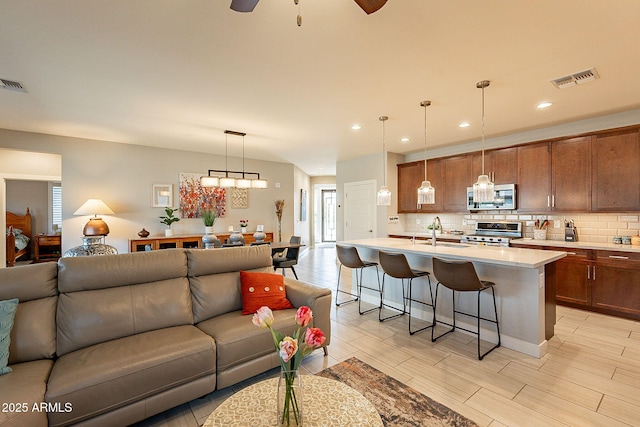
<point x="571" y="175"/>
<point x="410" y="177"/>
<point x="534" y="177"/>
<point x="573" y="276"/>
<point x="616" y="175"/>
<point x="616" y="283"/>
<point x="457" y="177"/>
<point x="500" y="165"/>
<point x="434" y="175"/>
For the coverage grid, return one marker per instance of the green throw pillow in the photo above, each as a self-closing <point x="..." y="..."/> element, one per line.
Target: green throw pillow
<point x="7" y="313"/>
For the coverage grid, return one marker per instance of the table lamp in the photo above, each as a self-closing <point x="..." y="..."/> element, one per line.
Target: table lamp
<point x="96" y="226"/>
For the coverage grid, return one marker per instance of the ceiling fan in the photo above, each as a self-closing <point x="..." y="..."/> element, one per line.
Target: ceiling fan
<point x="369" y="6"/>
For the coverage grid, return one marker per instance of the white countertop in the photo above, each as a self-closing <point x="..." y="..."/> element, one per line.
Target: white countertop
<point x="578" y="245"/>
<point x="509" y="256"/>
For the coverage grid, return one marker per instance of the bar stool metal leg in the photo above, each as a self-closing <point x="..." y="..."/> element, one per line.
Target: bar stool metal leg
<point x="348" y="257"/>
<point x="431" y="304"/>
<point x="382" y="303"/>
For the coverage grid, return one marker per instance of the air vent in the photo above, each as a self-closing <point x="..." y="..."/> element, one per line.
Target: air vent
<point x="11" y="85"/>
<point x="576" y="79"/>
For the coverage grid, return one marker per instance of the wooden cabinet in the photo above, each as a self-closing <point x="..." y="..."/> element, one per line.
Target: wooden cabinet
<point x="193" y="241"/>
<point x="534" y="178"/>
<point x="410" y="175"/>
<point x="500" y="165"/>
<point x="571" y="175"/>
<point x="155" y="243"/>
<point x="457" y="177"/>
<point x="573" y="276"/>
<point x="616" y="283"/>
<point x="48" y="247"/>
<point x="616" y="172"/>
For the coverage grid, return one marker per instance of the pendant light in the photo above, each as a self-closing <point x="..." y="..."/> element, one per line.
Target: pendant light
<point x="243" y="182"/>
<point x="426" y="193"/>
<point x="384" y="195"/>
<point x="483" y="189"/>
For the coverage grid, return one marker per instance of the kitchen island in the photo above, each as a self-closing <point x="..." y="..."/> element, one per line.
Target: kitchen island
<point x="525" y="286"/>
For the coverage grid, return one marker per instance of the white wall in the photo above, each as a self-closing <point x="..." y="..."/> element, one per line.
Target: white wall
<point x="121" y="175"/>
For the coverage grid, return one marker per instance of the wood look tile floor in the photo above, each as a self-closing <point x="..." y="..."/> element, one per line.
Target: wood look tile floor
<point x="589" y="377"/>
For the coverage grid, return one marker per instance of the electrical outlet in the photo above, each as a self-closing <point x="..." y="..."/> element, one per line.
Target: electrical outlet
<point x="556" y="224"/>
<point x="418" y="221"/>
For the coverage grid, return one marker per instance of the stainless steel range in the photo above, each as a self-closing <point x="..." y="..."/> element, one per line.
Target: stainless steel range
<point x="493" y="233"/>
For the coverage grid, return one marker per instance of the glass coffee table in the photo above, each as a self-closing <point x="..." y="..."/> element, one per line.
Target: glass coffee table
<point x="326" y="403"/>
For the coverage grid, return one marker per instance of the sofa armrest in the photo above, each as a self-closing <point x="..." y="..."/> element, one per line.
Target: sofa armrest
<point x="317" y="298"/>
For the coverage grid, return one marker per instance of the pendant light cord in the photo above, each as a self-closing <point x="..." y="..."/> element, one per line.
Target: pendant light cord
<point x="483" y="86"/>
<point x="384" y="151"/>
<point x="425" y="104"/>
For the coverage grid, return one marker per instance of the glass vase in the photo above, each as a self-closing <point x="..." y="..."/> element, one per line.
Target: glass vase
<point x="289" y="398"/>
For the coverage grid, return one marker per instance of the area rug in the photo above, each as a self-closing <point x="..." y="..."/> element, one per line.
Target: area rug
<point x="397" y="404"/>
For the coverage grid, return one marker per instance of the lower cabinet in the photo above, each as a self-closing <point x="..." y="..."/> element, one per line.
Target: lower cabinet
<point x="598" y="280"/>
<point x="615" y="283"/>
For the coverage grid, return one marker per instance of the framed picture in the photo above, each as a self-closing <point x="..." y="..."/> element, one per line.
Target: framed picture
<point x="303" y="205"/>
<point x="194" y="198"/>
<point x="162" y="195"/>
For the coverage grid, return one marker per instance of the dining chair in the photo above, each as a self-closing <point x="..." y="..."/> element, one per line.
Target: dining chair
<point x="290" y="257"/>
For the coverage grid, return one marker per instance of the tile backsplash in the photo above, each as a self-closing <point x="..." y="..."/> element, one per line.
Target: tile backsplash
<point x="592" y="227"/>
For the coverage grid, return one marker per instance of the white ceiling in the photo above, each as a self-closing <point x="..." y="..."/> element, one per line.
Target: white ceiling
<point x="176" y="73"/>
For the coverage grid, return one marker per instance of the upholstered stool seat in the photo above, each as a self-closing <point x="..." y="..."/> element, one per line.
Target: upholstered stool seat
<point x="397" y="266"/>
<point x="461" y="276"/>
<point x="348" y="257"/>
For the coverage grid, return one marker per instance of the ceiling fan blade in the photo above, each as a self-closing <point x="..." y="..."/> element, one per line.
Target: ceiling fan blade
<point x="243" y="5"/>
<point x="370" y="6"/>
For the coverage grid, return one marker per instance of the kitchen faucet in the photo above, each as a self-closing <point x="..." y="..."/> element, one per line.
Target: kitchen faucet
<point x="433" y="227"/>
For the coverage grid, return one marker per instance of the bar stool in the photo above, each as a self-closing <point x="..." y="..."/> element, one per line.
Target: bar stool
<point x="461" y="276"/>
<point x="348" y="257"/>
<point x="397" y="266"/>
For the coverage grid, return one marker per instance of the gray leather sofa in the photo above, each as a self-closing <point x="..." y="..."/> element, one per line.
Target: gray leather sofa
<point x="112" y="340"/>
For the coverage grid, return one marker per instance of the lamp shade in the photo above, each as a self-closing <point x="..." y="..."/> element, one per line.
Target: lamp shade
<point x="209" y="181"/>
<point x="94" y="207"/>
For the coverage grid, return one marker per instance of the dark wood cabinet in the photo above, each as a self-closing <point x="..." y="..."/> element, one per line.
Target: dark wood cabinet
<point x="457" y="175"/>
<point x="410" y="175"/>
<point x="571" y="175"/>
<point x="573" y="276"/>
<point x="500" y="165"/>
<point x="616" y="172"/>
<point x="616" y="283"/>
<point x="48" y="247"/>
<point x="434" y="175"/>
<point x="534" y="178"/>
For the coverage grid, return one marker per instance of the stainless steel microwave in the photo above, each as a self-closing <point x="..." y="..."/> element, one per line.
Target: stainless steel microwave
<point x="504" y="198"/>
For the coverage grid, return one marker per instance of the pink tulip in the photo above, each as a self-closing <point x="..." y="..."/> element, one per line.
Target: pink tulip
<point x="314" y="337"/>
<point x="263" y="317"/>
<point x="288" y="348"/>
<point x="304" y="316"/>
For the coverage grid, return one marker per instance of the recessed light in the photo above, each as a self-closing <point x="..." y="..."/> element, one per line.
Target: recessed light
<point x="464" y="125"/>
<point x="405" y="139"/>
<point x="356" y="127"/>
<point x="544" y="105"/>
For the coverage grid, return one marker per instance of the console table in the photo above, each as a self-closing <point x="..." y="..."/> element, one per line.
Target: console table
<point x="185" y="241"/>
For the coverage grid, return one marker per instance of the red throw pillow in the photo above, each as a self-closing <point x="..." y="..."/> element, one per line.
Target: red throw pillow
<point x="260" y="289"/>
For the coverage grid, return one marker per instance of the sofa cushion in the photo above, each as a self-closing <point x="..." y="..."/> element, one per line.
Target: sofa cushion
<point x="214" y="277"/>
<point x="34" y="329"/>
<point x="23" y="388"/>
<point x="116" y="373"/>
<point x="7" y="314"/>
<point x="238" y="340"/>
<point x="263" y="289"/>
<point x="91" y="317"/>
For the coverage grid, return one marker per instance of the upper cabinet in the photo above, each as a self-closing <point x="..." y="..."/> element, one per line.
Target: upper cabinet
<point x="571" y="175"/>
<point x="500" y="165"/>
<point x="616" y="172"/>
<point x="590" y="173"/>
<point x="534" y="177"/>
<point x="410" y="177"/>
<point x="457" y="177"/>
